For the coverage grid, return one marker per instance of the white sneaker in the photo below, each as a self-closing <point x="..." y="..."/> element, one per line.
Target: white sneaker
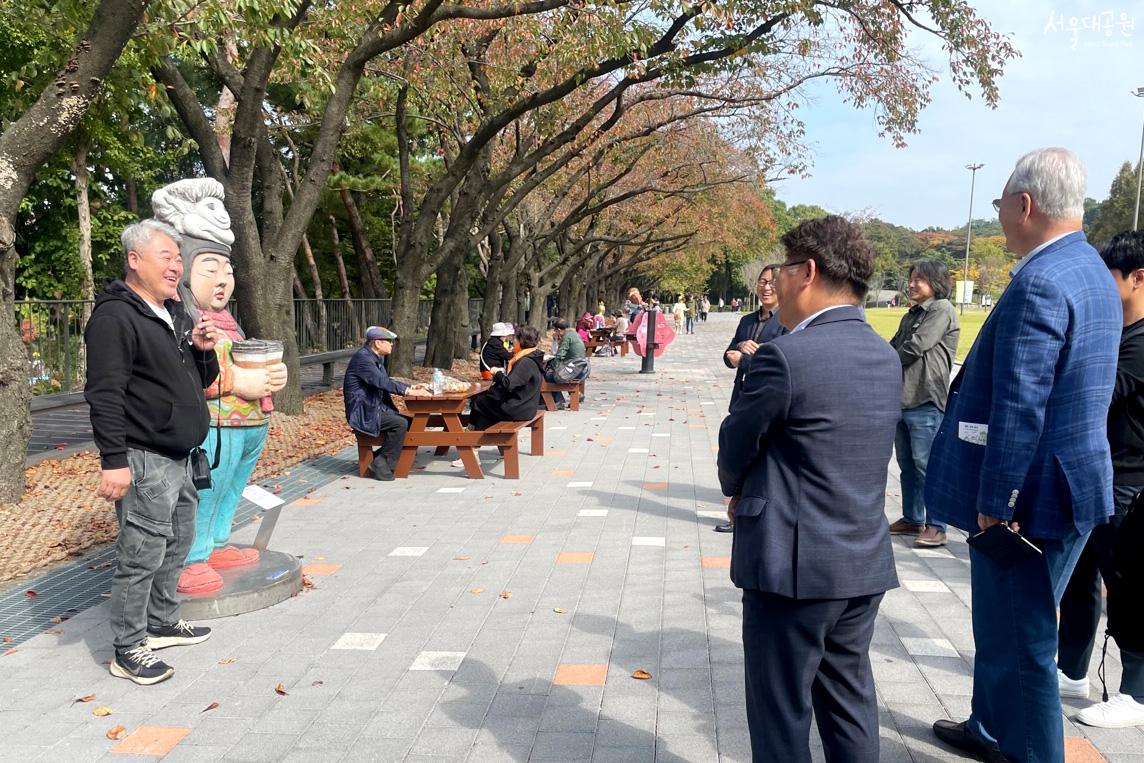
<point x="1121" y="711"/>
<point x="1074" y="688"/>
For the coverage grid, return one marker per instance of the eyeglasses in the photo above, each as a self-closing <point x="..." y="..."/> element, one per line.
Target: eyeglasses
<point x="767" y="283"/>
<point x="997" y="205"/>
<point x="796" y="262"/>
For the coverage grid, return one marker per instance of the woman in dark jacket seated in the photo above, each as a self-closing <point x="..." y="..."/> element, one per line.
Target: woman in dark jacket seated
<point x="515" y="394"/>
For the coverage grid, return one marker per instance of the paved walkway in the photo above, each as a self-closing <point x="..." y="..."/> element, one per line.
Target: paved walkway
<point x="497" y="620"/>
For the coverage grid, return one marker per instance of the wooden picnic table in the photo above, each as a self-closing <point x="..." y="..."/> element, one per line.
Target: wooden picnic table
<point x="444" y="411"/>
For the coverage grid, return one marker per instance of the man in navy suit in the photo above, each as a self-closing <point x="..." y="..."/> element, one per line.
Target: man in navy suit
<point x="1023" y="442"/>
<point x="803" y="455"/>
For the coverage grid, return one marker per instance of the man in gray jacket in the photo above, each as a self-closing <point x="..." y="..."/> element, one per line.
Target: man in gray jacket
<point x="803" y="456"/>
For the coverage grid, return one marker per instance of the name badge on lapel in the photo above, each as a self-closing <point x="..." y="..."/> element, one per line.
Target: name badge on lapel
<point x="976" y="434"/>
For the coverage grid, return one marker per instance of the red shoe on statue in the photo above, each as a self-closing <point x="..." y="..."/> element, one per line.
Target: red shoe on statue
<point x="199" y="578"/>
<point x="230" y="557"/>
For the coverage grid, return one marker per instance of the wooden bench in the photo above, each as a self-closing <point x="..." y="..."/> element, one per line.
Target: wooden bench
<point x="575" y="390"/>
<point x="502" y="435"/>
<point x="365" y="445"/>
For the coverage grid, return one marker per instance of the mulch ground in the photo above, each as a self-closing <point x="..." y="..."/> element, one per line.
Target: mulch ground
<point x="61" y="517"/>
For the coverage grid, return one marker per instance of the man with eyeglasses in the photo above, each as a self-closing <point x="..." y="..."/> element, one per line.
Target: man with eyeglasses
<point x="754" y="329"/>
<point x="147" y="366"/>
<point x="1023" y="449"/>
<point x="803" y="456"/>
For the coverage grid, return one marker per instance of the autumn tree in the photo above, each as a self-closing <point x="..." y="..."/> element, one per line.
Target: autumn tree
<point x="1115" y="213"/>
<point x="68" y="86"/>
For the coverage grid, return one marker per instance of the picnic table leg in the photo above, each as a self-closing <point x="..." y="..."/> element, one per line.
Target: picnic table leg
<point x="512" y="460"/>
<point x="575" y="396"/>
<point x="409" y="452"/>
<point x="467" y="452"/>
<point x="537" y="448"/>
<point x="549" y="401"/>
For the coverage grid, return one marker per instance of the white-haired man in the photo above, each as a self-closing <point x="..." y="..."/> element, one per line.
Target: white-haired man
<point x="1022" y="449"/>
<point x="147" y="366"/>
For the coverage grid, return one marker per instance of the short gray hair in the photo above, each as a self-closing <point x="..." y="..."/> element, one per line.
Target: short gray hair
<point x="1056" y="180"/>
<point x="137" y="234"/>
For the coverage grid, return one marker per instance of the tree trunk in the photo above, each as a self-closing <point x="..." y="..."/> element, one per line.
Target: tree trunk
<point x="406" y="296"/>
<point x="266" y="311"/>
<point x="25" y="145"/>
<point x="83" y="208"/>
<point x="462" y="335"/>
<point x="319" y="298"/>
<point x="370" y="273"/>
<point x="344" y="282"/>
<point x="443" y="327"/>
<point x="132" y="197"/>
<point x="494" y="285"/>
<point x="310" y="328"/>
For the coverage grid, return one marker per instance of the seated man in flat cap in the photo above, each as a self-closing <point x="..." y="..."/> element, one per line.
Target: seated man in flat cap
<point x="367" y="389"/>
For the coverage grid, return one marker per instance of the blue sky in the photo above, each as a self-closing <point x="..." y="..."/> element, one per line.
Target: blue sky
<point x="1052" y="96"/>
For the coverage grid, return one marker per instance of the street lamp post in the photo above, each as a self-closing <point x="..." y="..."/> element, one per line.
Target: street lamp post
<point x="968" y="233"/>
<point x="1139" y="169"/>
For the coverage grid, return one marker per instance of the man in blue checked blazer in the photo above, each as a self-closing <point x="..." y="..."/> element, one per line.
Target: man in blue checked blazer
<point x="1023" y="442"/>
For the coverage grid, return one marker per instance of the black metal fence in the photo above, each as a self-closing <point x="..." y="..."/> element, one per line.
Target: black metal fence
<point x="52" y="330"/>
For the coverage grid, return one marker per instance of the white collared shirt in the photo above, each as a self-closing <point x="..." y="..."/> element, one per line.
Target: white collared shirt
<point x="806" y="321"/>
<point x="1022" y="262"/>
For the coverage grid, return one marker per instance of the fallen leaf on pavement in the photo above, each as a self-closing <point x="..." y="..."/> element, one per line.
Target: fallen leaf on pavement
<point x="10" y="651"/>
<point x="280" y="689"/>
<point x="101" y="711"/>
<point x="228" y="661"/>
<point x="100" y="566"/>
<point x="560" y="610"/>
<point x="57" y="619"/>
<point x="506" y="594"/>
<point x="306" y="582"/>
<point x="460" y="558"/>
<point x="517" y="492"/>
<point x="317" y="683"/>
<point x="8" y="639"/>
<point x="85" y="698"/>
<point x="211" y="706"/>
<point x="31" y="594"/>
<point x="116" y="733"/>
<point x="642" y="675"/>
<point x="54" y="632"/>
<point x="476" y="590"/>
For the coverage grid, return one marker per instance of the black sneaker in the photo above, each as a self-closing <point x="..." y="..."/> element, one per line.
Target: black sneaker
<point x="141" y="666"/>
<point x="181" y="633"/>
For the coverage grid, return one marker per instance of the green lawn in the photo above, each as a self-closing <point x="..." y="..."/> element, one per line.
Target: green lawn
<point x="885" y="321"/>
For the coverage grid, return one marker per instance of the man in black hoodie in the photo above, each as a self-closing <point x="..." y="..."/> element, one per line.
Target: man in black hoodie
<point x="147" y="366"/>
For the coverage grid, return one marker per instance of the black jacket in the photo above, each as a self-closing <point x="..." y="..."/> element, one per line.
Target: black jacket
<point x="367" y="389"/>
<point x="1126" y="413"/>
<point x="144" y="382"/>
<point x="494" y="354"/>
<point x="751" y="326"/>
<point x="514" y="396"/>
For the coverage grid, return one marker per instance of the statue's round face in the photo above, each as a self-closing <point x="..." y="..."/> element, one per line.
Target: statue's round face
<point x="212" y="281"/>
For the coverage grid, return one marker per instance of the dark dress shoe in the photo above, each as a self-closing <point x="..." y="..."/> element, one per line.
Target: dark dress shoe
<point x="379" y="470"/>
<point x="958" y="735"/>
<point x="725" y="528"/>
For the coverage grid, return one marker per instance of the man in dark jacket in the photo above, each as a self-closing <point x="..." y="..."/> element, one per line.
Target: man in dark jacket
<point x="369" y="408"/>
<point x="147" y="366"/>
<point x="515" y="393"/>
<point x="1081" y="606"/>
<point x="803" y="456"/>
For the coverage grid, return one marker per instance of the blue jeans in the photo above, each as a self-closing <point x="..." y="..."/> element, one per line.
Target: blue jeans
<point x="1016" y="698"/>
<point x="916" y="430"/>
<point x="689" y="324"/>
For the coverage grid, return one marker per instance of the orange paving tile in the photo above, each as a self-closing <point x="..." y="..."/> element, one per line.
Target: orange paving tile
<point x="654" y="486"/>
<point x="696" y="426"/>
<point x="307" y="501"/>
<point x="571" y="674"/>
<point x="574" y="557"/>
<point x="557" y="452"/>
<point x="1080" y="750"/>
<point x="152" y="740"/>
<point x="320" y="569"/>
<point x="522" y="540"/>
<point x="717" y="562"/>
<point x="563" y="473"/>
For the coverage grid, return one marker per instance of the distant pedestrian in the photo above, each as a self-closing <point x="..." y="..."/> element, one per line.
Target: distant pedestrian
<point x="926" y="342"/>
